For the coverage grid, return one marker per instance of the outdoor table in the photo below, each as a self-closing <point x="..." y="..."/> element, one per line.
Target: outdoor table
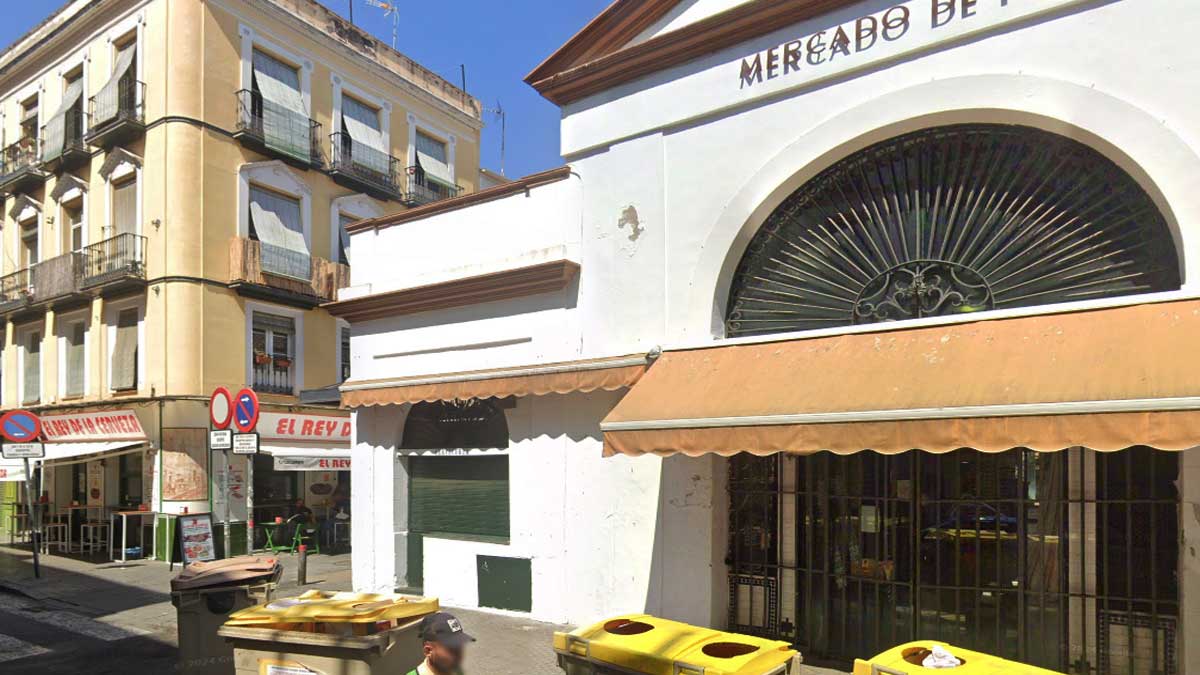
<point x="124" y="516"/>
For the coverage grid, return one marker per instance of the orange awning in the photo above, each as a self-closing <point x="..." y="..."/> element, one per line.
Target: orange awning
<point x="1104" y="379"/>
<point x="553" y="378"/>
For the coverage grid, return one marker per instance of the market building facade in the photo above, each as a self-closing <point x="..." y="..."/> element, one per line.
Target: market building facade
<point x="848" y="323"/>
<point x="177" y="175"/>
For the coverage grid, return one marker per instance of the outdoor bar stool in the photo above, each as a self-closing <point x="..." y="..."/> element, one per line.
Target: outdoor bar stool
<point x="54" y="533"/>
<point x="95" y="535"/>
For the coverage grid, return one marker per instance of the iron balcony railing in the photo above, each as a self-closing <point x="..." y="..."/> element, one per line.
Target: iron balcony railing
<point x="15" y="290"/>
<point x="365" y="164"/>
<point x="423" y="188"/>
<point x="279" y="129"/>
<point x="115" y="258"/>
<point x="72" y="136"/>
<point x="274" y="373"/>
<point x="18" y="157"/>
<point x="125" y="102"/>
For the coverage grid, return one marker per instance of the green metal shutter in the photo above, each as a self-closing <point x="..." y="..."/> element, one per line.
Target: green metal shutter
<point x="459" y="495"/>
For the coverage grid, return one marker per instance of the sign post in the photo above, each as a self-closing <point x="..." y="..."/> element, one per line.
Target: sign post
<point x="220" y="412"/>
<point x="21" y="430"/>
<point x="245" y="418"/>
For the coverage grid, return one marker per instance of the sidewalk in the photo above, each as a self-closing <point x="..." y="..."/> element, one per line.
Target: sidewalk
<point x="136" y="598"/>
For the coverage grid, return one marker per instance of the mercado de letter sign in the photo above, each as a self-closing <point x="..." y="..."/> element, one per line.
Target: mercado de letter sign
<point x="891" y="32"/>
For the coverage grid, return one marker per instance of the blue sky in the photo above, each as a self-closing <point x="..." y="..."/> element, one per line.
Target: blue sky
<point x="500" y="41"/>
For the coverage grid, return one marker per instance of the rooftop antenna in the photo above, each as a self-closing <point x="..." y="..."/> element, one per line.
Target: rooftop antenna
<point x="389" y="9"/>
<point x="498" y="111"/>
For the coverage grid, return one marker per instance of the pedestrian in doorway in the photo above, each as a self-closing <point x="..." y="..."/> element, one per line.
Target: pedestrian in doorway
<point x="445" y="644"/>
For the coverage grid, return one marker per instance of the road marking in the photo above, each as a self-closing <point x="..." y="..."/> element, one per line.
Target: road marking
<point x="12" y="649"/>
<point x="69" y="621"/>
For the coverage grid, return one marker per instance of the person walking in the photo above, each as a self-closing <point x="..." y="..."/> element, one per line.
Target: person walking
<point x="444" y="647"/>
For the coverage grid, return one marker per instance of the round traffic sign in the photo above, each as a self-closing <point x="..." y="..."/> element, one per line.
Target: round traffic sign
<point x="220" y="408"/>
<point x="20" y="426"/>
<point x="245" y="410"/>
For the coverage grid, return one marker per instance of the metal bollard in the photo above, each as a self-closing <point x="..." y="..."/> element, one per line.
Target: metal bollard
<point x="302" y="568"/>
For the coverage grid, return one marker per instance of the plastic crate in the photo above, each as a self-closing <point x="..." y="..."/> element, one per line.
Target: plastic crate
<point x="647" y="645"/>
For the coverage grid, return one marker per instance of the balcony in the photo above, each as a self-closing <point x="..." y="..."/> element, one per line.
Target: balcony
<point x="56" y="281"/>
<point x="265" y="272"/>
<point x="422" y="188"/>
<point x="361" y="168"/>
<point x="274" y="373"/>
<point x="117" y="115"/>
<point x="277" y="132"/>
<point x="74" y="152"/>
<point x="113" y="265"/>
<point x="21" y="167"/>
<point x="15" y="291"/>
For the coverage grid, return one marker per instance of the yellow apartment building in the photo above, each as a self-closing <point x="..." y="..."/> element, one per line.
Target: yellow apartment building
<point x="176" y="177"/>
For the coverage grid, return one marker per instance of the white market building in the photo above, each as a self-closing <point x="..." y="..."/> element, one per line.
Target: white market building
<point x="847" y="323"/>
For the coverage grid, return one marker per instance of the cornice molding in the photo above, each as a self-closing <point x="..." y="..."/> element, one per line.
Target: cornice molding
<point x="503" y="285"/>
<point x="471" y="199"/>
<point x="688" y="43"/>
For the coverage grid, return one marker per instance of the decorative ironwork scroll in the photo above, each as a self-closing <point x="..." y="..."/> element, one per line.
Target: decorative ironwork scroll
<point x="948" y="220"/>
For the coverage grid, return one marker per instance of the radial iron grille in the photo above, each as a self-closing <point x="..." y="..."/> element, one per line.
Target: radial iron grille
<point x="951" y="220"/>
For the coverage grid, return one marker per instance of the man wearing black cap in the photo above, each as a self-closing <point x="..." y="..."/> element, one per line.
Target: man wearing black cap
<point x="445" y="640"/>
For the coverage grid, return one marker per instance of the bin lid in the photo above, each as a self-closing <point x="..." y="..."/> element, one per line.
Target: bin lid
<point x="243" y="570"/>
<point x="335" y="607"/>
<point x="647" y="644"/>
<point x="906" y="659"/>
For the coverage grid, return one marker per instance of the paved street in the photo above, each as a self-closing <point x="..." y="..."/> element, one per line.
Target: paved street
<point x="96" y="618"/>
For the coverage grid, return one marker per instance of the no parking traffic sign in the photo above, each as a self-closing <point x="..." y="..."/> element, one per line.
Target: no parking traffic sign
<point x="245" y="411"/>
<point x="20" y="426"/>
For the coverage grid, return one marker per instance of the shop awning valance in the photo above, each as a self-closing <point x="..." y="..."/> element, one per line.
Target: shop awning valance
<point x="1105" y="379"/>
<point x="568" y="377"/>
<point x="69" y="453"/>
<point x="304" y="458"/>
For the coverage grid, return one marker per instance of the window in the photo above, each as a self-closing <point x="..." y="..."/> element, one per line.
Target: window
<point x="363" y="138"/>
<point x="130" y="479"/>
<point x="29" y="122"/>
<point x="73" y="225"/>
<point x="277" y="106"/>
<point x="123" y="372"/>
<point x="73" y="361"/>
<point x="276" y="222"/>
<point x="29" y="243"/>
<point x="273" y="342"/>
<point x="344" y="334"/>
<point x="31" y="367"/>
<point x="459" y="496"/>
<point x="65" y="126"/>
<point x="433" y="159"/>
<point x="343" y="249"/>
<point x="119" y="97"/>
<point x="124" y="207"/>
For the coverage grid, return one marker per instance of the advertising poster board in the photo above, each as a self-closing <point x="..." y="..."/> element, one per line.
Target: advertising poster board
<point x="196" y="535"/>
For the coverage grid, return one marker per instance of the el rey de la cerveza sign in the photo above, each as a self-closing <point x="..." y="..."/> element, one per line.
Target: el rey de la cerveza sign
<point x="889" y="33"/>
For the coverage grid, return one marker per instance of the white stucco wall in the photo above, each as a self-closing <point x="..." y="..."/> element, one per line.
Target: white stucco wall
<point x="673" y="175"/>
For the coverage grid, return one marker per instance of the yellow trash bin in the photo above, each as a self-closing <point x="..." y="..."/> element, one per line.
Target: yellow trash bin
<point x="646" y="645"/>
<point x="325" y="632"/>
<point x="907" y="659"/>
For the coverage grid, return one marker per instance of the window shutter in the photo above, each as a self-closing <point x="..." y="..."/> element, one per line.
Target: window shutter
<point x="56" y="127"/>
<point x="33" y="368"/>
<point x="459" y="495"/>
<point x="74" y="359"/>
<point x="433" y="158"/>
<point x="108" y="99"/>
<point x="286" y="126"/>
<point x="124" y="356"/>
<point x="124" y="206"/>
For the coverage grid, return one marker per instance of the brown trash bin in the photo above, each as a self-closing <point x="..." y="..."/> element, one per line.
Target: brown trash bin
<point x="205" y="594"/>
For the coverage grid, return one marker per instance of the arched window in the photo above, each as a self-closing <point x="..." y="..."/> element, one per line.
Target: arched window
<point x="455" y="424"/>
<point x="951" y="220"/>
